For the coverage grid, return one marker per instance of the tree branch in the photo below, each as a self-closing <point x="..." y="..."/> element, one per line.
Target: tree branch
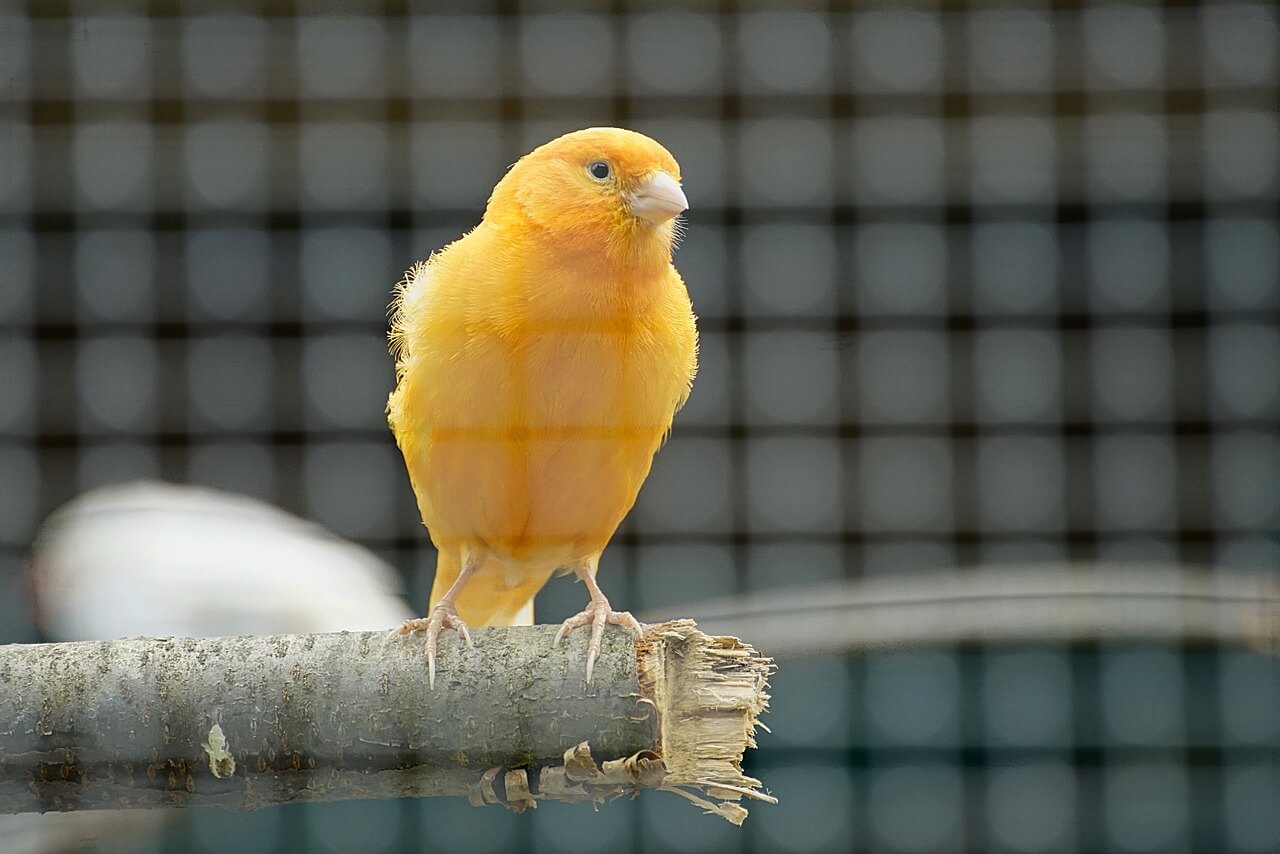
<point x="250" y="721"/>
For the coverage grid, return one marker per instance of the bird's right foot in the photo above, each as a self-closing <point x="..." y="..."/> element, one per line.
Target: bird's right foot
<point x="442" y="616"/>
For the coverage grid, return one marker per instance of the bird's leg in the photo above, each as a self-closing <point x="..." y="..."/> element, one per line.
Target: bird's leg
<point x="598" y="614"/>
<point x="443" y="615"/>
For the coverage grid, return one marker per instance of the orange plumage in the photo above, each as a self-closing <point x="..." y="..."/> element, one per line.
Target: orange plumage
<point x="540" y="360"/>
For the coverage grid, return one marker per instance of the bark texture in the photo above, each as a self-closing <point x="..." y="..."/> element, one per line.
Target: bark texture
<point x="250" y="721"/>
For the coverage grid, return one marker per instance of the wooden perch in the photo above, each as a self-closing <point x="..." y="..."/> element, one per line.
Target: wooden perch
<point x="250" y="721"/>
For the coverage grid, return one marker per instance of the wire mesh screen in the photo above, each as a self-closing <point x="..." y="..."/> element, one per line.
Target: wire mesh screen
<point x="977" y="283"/>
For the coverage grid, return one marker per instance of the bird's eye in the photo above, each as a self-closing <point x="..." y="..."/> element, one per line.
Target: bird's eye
<point x="599" y="170"/>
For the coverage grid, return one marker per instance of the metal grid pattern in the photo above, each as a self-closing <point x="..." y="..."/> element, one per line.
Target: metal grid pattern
<point x="977" y="282"/>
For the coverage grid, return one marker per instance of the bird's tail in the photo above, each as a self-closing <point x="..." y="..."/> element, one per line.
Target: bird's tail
<point x="494" y="595"/>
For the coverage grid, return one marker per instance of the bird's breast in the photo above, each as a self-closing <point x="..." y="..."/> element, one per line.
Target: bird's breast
<point x="540" y="430"/>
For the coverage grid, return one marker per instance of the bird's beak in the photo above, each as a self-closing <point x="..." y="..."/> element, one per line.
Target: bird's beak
<point x="658" y="199"/>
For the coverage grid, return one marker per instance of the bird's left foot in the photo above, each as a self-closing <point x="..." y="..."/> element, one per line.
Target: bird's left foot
<point x="598" y="614"/>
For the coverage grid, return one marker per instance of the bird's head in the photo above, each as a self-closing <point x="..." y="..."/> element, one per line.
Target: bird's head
<point x="599" y="189"/>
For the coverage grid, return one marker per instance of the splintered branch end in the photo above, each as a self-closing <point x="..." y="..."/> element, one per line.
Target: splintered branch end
<point x="707" y="694"/>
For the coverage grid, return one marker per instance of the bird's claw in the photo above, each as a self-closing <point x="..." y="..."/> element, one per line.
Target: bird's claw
<point x="442" y="616"/>
<point x="597" y="614"/>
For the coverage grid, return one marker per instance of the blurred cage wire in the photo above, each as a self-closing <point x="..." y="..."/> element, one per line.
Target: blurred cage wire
<point x="978" y="282"/>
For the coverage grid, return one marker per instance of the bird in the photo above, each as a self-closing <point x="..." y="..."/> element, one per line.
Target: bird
<point x="540" y="360"/>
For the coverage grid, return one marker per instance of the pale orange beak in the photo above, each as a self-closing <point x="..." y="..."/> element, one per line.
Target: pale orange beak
<point x="658" y="199"/>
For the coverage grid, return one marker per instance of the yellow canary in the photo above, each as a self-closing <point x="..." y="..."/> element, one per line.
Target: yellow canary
<point x="540" y="360"/>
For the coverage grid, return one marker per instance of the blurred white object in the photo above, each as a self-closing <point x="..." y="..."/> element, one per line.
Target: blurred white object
<point x="164" y="560"/>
